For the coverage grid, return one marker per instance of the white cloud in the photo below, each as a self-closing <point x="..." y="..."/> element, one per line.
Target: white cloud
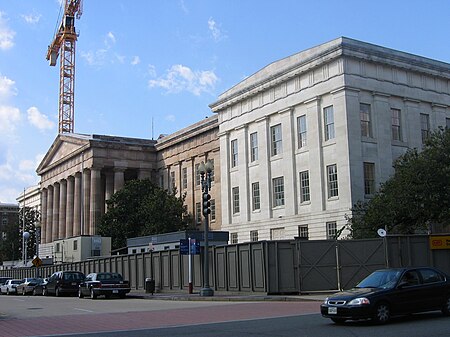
<point x="215" y="30"/>
<point x="31" y="18"/>
<point x="6" y="33"/>
<point x="95" y="58"/>
<point x="110" y="38"/>
<point x="184" y="7"/>
<point x="9" y="118"/>
<point x="181" y="78"/>
<point x="7" y="88"/>
<point x="170" y="118"/>
<point x="39" y="120"/>
<point x="136" y="60"/>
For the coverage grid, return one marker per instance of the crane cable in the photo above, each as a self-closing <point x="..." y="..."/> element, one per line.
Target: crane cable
<point x="58" y="20"/>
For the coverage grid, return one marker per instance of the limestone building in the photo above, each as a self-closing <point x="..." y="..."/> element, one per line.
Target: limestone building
<point x="306" y="137"/>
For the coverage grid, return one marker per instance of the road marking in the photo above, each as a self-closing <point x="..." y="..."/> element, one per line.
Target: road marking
<point x="86" y="310"/>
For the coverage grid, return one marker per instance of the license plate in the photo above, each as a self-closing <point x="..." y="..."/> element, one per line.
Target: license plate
<point x="74" y="283"/>
<point x="115" y="291"/>
<point x="332" y="311"/>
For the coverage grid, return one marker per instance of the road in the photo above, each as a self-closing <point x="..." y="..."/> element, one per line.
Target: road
<point x="69" y="316"/>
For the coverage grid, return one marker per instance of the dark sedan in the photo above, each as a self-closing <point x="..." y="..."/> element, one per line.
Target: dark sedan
<point x="106" y="284"/>
<point x="389" y="292"/>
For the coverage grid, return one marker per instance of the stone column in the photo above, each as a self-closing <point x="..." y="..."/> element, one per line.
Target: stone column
<point x="70" y="207"/>
<point x="62" y="209"/>
<point x="44" y="193"/>
<point x="77" y="205"/>
<point x="109" y="186"/>
<point x="55" y="223"/>
<point x="119" y="178"/>
<point x="48" y="231"/>
<point x="86" y="201"/>
<point x="144" y="174"/>
<point x="95" y="199"/>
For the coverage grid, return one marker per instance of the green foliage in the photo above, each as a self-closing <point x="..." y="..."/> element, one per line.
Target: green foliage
<point x="417" y="195"/>
<point x="142" y="208"/>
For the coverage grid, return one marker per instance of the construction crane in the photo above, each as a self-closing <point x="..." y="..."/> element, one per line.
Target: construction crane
<point x="64" y="43"/>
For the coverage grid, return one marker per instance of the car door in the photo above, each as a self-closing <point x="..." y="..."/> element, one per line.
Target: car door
<point x="51" y="284"/>
<point x="433" y="288"/>
<point x="408" y="297"/>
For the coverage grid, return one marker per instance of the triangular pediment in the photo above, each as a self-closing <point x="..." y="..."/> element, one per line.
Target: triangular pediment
<point x="64" y="147"/>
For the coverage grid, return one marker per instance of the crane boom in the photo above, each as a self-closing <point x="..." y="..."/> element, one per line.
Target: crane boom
<point x="64" y="44"/>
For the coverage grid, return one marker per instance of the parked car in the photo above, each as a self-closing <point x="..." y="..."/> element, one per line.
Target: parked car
<point x="63" y="282"/>
<point x="39" y="287"/>
<point x="27" y="286"/>
<point x="3" y="280"/>
<point x="389" y="292"/>
<point x="10" y="286"/>
<point x="106" y="284"/>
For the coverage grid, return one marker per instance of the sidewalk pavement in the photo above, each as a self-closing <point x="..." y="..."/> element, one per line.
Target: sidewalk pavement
<point x="225" y="296"/>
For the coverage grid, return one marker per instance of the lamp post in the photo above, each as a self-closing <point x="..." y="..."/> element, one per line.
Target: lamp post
<point x="205" y="173"/>
<point x="25" y="236"/>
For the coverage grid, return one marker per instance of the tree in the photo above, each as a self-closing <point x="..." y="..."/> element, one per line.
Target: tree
<point x="31" y="218"/>
<point x="416" y="196"/>
<point x="142" y="208"/>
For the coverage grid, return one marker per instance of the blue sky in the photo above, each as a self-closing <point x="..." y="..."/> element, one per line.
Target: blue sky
<point x="144" y="60"/>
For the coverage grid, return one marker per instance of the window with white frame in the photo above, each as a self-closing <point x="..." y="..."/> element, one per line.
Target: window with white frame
<point x="253" y="236"/>
<point x="396" y="127"/>
<point x="277" y="233"/>
<point x="234" y="238"/>
<point x="366" y="125"/>
<point x="235" y="196"/>
<point x="278" y="191"/>
<point x="172" y="180"/>
<point x="303" y="231"/>
<point x="301" y="130"/>
<point x="256" y="198"/>
<point x="212" y="171"/>
<point x="197" y="175"/>
<point x="198" y="213"/>
<point x="234" y="153"/>
<point x="276" y="139"/>
<point x="331" y="230"/>
<point x="369" y="178"/>
<point x="253" y="146"/>
<point x="75" y="244"/>
<point x="304" y="186"/>
<point x="332" y="179"/>
<point x="213" y="209"/>
<point x="184" y="178"/>
<point x="328" y="115"/>
<point x="424" y="126"/>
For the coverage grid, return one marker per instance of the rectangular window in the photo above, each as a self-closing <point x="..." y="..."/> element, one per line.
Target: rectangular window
<point x="234" y="238"/>
<point x="213" y="209"/>
<point x="75" y="245"/>
<point x="256" y="199"/>
<point x="234" y="153"/>
<point x="364" y="114"/>
<point x="369" y="178"/>
<point x="303" y="231"/>
<point x="161" y="181"/>
<point x="396" y="130"/>
<point x="253" y="236"/>
<point x="253" y="147"/>
<point x="172" y="180"/>
<point x="447" y="123"/>
<point x="278" y="191"/>
<point x="212" y="171"/>
<point x="235" y="192"/>
<point x="331" y="230"/>
<point x="198" y="213"/>
<point x="329" y="122"/>
<point x="197" y="175"/>
<point x="304" y="186"/>
<point x="276" y="141"/>
<point x="332" y="178"/>
<point x="424" y="126"/>
<point x="184" y="178"/>
<point x="301" y="127"/>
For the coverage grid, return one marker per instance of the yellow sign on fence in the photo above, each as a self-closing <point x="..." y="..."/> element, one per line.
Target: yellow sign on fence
<point x="440" y="242"/>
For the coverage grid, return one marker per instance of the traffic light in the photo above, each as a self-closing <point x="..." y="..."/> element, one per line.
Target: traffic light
<point x="206" y="204"/>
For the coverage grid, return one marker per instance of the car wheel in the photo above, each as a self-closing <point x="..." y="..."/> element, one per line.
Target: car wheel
<point x="382" y="313"/>
<point x="24" y="292"/>
<point x="93" y="295"/>
<point x="446" y="307"/>
<point x="7" y="291"/>
<point x="44" y="292"/>
<point x="57" y="292"/>
<point x="34" y="292"/>
<point x="80" y="293"/>
<point x="338" y="320"/>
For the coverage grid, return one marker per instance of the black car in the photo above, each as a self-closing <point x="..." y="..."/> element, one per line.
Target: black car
<point x="63" y="282"/>
<point x="389" y="292"/>
<point x="106" y="284"/>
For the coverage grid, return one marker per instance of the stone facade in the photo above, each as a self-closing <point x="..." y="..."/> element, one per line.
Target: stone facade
<point x="306" y="137"/>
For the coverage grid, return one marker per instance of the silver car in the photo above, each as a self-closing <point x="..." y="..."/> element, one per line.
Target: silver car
<point x="10" y="287"/>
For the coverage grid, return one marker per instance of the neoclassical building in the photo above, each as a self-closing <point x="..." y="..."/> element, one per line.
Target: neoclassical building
<point x="306" y="137"/>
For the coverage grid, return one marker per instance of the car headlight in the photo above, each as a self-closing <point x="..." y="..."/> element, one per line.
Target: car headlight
<point x="325" y="301"/>
<point x="359" y="301"/>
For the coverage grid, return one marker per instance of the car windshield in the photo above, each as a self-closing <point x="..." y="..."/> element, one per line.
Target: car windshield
<point x="16" y="281"/>
<point x="380" y="279"/>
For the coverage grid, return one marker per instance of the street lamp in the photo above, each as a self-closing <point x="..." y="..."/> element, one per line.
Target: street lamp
<point x="26" y="236"/>
<point x="205" y="173"/>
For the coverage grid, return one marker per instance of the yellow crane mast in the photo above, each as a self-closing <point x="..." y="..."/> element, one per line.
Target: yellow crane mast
<point x="64" y="43"/>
